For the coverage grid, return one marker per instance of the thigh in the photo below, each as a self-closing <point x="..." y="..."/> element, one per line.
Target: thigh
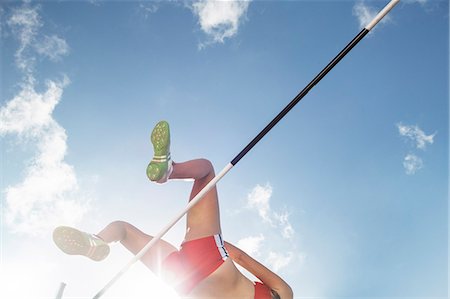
<point x="203" y="219"/>
<point x="135" y="240"/>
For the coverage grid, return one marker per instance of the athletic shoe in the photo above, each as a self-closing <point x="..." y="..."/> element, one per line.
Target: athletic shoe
<point x="160" y="167"/>
<point x="75" y="242"/>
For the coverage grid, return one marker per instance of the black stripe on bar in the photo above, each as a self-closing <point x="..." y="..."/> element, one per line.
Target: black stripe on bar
<point x="297" y="99"/>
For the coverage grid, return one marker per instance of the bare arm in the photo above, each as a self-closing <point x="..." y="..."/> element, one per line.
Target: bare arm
<point x="266" y="276"/>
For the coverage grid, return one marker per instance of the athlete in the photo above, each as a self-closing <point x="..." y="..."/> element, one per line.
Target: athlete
<point x="204" y="266"/>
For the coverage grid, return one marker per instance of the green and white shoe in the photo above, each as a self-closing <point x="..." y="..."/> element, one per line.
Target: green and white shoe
<point x="160" y="167"/>
<point x="75" y="242"/>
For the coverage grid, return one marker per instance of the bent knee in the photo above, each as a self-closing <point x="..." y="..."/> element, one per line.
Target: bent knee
<point x="125" y="228"/>
<point x="120" y="223"/>
<point x="208" y="165"/>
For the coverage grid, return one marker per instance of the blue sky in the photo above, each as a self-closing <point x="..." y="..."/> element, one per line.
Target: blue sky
<point x="346" y="197"/>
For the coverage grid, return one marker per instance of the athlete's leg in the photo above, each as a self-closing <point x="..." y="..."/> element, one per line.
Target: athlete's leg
<point x="203" y="219"/>
<point x="134" y="240"/>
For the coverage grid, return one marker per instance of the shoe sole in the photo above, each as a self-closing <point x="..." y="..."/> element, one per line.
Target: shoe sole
<point x="74" y="242"/>
<point x="161" y="138"/>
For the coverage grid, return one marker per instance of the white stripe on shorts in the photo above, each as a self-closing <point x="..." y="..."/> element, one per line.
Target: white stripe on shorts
<point x="221" y="247"/>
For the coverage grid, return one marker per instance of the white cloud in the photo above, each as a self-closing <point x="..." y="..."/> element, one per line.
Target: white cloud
<point x="251" y="245"/>
<point x="412" y="164"/>
<point x="277" y="261"/>
<point x="52" y="47"/>
<point x="25" y="23"/>
<point x="220" y="19"/>
<point x="287" y="229"/>
<point x="29" y="112"/>
<point x="415" y="134"/>
<point x="277" y="254"/>
<point x="148" y="8"/>
<point x="366" y="13"/>
<point x="259" y="199"/>
<point x="49" y="193"/>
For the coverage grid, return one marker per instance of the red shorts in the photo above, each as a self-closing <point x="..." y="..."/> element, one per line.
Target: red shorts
<point x="262" y="291"/>
<point x="195" y="261"/>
